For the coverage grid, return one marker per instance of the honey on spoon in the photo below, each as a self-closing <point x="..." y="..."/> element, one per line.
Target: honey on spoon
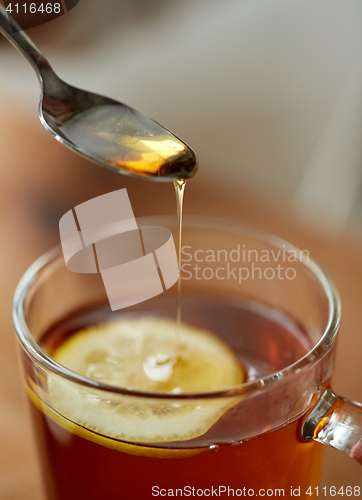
<point x="101" y="129"/>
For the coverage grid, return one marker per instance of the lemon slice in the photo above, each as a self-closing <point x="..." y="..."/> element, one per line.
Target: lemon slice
<point x="147" y="354"/>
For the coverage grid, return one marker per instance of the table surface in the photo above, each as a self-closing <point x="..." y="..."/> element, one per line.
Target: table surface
<point x="29" y="227"/>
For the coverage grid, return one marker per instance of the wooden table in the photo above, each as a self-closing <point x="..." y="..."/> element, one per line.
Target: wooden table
<point x="41" y="180"/>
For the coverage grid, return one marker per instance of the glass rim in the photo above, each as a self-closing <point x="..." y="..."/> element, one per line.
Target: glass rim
<point x="37" y="354"/>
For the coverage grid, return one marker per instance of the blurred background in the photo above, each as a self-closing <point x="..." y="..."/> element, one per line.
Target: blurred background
<point x="269" y="95"/>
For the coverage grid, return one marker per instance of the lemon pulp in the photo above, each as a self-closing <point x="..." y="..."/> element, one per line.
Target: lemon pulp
<point x="142" y="354"/>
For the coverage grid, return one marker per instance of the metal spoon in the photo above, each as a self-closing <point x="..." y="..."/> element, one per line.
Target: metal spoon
<point x="100" y="129"/>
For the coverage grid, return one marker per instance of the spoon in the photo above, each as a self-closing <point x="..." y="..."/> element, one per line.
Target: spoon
<point x="101" y="129"/>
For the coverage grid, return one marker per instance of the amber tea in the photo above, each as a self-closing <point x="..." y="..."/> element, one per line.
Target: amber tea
<point x="137" y="449"/>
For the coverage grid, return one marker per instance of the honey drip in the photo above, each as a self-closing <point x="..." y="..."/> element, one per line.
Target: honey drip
<point x="180" y="186"/>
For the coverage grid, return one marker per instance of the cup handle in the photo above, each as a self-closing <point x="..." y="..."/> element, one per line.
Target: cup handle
<point x="337" y="422"/>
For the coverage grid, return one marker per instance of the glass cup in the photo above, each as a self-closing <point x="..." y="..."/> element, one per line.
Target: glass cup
<point x="280" y="315"/>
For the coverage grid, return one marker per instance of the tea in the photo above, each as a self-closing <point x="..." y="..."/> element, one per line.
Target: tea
<point x="81" y="462"/>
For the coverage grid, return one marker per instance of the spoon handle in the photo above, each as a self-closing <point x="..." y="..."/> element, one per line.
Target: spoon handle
<point x="17" y="37"/>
